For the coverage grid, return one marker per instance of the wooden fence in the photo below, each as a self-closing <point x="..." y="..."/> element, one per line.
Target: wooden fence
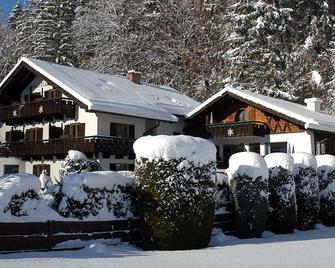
<point x="45" y="236"/>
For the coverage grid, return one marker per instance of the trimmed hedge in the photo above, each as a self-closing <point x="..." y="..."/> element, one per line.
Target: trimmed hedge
<point x="308" y="201"/>
<point x="175" y="203"/>
<point x="282" y="201"/>
<point x="248" y="179"/>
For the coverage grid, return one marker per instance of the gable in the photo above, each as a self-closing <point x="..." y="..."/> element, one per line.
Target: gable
<point x="227" y="109"/>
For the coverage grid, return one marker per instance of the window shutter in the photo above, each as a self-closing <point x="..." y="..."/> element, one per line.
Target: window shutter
<point x="35" y="170"/>
<point x="113" y="129"/>
<point x="67" y="130"/>
<point x="28" y="135"/>
<point x="47" y="94"/>
<point x="8" y="136"/>
<point x="40" y="134"/>
<point x="132" y="131"/>
<point x="81" y="130"/>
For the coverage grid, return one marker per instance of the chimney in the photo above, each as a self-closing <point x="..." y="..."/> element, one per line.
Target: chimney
<point x="134" y="76"/>
<point x="314" y="104"/>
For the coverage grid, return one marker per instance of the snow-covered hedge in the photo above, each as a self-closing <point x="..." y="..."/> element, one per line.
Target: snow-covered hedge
<point x="307" y="190"/>
<point x="326" y="174"/>
<point x="282" y="200"/>
<point x="175" y="178"/>
<point x="248" y="178"/>
<point x="95" y="195"/>
<point x="223" y="196"/>
<point x="19" y="199"/>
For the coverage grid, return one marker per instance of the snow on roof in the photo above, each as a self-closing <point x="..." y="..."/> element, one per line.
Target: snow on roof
<point x="112" y="93"/>
<point x="287" y="109"/>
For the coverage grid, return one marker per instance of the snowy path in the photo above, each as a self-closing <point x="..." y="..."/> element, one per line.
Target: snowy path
<point x="302" y="249"/>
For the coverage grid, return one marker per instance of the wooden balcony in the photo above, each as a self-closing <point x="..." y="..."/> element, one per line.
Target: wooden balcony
<point x="237" y="129"/>
<point x="60" y="147"/>
<point x="37" y="111"/>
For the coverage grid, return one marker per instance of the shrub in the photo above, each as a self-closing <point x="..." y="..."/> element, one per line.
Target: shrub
<point x="77" y="162"/>
<point x="98" y="195"/>
<point x="248" y="179"/>
<point x="175" y="179"/>
<point x="282" y="213"/>
<point x="307" y="190"/>
<point x="326" y="175"/>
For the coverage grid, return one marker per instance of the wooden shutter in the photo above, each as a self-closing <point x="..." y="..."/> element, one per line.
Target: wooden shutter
<point x="113" y="129"/>
<point x="35" y="170"/>
<point x="67" y="130"/>
<point x="47" y="94"/>
<point x="40" y="134"/>
<point x="28" y="135"/>
<point x="81" y="130"/>
<point x="8" y="136"/>
<point x="132" y="131"/>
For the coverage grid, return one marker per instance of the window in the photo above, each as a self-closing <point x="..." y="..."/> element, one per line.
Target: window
<point x="11" y="169"/>
<point x="122" y="130"/>
<point x="37" y="169"/>
<point x="255" y="147"/>
<point x="121" y="166"/>
<point x="228" y="151"/>
<point x="278" y="147"/>
<point x="241" y="116"/>
<point x="34" y="134"/>
<point x="75" y="130"/>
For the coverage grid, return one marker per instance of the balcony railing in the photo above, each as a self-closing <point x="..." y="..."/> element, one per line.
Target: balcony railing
<point x="37" y="111"/>
<point x="60" y="147"/>
<point x="237" y="129"/>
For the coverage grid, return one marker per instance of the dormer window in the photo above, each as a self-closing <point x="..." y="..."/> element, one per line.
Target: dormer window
<point x="241" y="116"/>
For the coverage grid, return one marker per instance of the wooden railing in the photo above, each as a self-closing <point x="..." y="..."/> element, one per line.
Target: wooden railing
<point x="56" y="147"/>
<point x="37" y="111"/>
<point x="237" y="129"/>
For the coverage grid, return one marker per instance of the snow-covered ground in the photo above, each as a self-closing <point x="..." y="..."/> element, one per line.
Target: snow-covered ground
<point x="302" y="249"/>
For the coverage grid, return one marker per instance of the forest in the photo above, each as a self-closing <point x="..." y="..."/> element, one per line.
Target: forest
<point x="281" y="48"/>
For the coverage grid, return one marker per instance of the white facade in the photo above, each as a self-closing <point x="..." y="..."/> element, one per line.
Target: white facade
<point x="96" y="124"/>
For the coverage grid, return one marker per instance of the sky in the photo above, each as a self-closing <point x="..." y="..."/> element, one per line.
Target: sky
<point x="7" y="5"/>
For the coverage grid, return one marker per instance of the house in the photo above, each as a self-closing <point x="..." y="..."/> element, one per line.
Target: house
<point x="48" y="109"/>
<point x="240" y="120"/>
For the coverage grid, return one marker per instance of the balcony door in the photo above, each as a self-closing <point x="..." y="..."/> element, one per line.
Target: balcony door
<point x="34" y="134"/>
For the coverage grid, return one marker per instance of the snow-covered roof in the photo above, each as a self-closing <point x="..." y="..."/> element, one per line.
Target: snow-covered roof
<point x="112" y="93"/>
<point x="297" y="112"/>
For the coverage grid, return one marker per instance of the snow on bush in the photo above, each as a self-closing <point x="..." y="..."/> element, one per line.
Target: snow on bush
<point x="19" y="199"/>
<point x="99" y="195"/>
<point x="282" y="200"/>
<point x="326" y="175"/>
<point x="248" y="179"/>
<point x="175" y="178"/>
<point x="223" y="196"/>
<point x="77" y="162"/>
<point x="307" y="190"/>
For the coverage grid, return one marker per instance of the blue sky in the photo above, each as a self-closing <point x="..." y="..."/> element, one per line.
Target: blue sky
<point x="7" y="5"/>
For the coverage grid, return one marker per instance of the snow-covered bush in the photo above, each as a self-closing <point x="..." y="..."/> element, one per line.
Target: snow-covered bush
<point x="248" y="179"/>
<point x="282" y="213"/>
<point x="307" y="190"/>
<point x="17" y="189"/>
<point x="326" y="175"/>
<point x="77" y="162"/>
<point x="99" y="195"/>
<point x="223" y="196"/>
<point x="175" y="179"/>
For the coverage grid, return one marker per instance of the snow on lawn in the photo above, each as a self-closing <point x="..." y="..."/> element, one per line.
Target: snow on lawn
<point x="302" y="249"/>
